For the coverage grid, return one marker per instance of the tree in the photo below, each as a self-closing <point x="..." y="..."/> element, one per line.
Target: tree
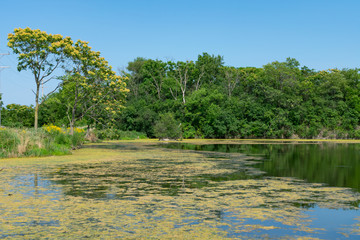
<point x="93" y="90"/>
<point x="54" y="110"/>
<point x="41" y="53"/>
<point x="208" y="67"/>
<point x="232" y="78"/>
<point x="135" y="76"/>
<point x="16" y="115"/>
<point x="155" y="72"/>
<point x="182" y="73"/>
<point x="167" y="127"/>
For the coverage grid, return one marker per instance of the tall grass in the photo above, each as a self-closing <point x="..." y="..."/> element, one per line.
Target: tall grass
<point x="50" y="140"/>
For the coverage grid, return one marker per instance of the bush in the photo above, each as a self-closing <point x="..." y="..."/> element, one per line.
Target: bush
<point x="356" y="134"/>
<point x="116" y="134"/>
<point x="63" y="137"/>
<point x="50" y="140"/>
<point x="167" y="127"/>
<point x="9" y="142"/>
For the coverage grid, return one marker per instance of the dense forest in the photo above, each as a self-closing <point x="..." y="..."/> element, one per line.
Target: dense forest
<point x="206" y="99"/>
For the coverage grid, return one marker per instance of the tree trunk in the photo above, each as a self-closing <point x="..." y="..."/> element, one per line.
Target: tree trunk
<point x="183" y="96"/>
<point x="72" y="122"/>
<point x="72" y="126"/>
<point x="37" y="105"/>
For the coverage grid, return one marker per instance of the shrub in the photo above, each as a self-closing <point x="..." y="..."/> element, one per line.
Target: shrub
<point x="9" y="142"/>
<point x="116" y="134"/>
<point x="77" y="138"/>
<point x="167" y="127"/>
<point x="63" y="137"/>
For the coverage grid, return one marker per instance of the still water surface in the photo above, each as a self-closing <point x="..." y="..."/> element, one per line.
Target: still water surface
<point x="167" y="191"/>
<point x="331" y="163"/>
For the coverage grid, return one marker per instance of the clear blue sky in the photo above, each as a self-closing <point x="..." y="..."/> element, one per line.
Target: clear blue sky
<point x="320" y="34"/>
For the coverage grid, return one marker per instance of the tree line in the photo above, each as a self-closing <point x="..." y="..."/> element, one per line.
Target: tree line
<point x="200" y="99"/>
<point x="211" y="100"/>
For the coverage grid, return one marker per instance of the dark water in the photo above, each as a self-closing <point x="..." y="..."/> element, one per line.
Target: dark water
<point x="337" y="165"/>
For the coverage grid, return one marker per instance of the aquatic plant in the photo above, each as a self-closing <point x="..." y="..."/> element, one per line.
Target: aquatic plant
<point x="133" y="191"/>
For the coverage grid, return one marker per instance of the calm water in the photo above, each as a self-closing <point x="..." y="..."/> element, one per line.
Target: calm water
<point x="335" y="164"/>
<point x="177" y="191"/>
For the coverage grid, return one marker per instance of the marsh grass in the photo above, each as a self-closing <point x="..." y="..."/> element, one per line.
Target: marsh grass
<point x="16" y="142"/>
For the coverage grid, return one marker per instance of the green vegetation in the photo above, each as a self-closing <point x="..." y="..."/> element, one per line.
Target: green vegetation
<point x="89" y="88"/>
<point x="50" y="140"/>
<point x="116" y="134"/>
<point x="279" y="100"/>
<point x="204" y="97"/>
<point x="167" y="127"/>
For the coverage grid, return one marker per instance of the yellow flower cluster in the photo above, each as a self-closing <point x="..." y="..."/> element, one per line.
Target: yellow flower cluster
<point x="77" y="130"/>
<point x="53" y="129"/>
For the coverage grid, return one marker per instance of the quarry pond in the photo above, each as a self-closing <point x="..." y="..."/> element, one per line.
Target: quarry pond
<point x="185" y="190"/>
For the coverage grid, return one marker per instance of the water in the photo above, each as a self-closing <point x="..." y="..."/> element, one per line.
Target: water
<point x="335" y="164"/>
<point x="135" y="190"/>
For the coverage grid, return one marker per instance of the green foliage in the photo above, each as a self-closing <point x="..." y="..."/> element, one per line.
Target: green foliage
<point x="210" y="100"/>
<point x="279" y="100"/>
<point x="9" y="141"/>
<point x="41" y="53"/>
<point x="167" y="127"/>
<point x="50" y="140"/>
<point x="116" y="134"/>
<point x="189" y="131"/>
<point x="15" y="115"/>
<point x="90" y="89"/>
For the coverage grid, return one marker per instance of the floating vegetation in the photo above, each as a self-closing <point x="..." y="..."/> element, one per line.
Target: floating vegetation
<point x="134" y="191"/>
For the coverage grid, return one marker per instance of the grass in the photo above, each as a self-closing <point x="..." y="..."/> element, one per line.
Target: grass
<point x="49" y="140"/>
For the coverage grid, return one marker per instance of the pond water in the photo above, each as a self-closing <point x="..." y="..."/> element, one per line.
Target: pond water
<point x="138" y="190"/>
<point x="331" y="163"/>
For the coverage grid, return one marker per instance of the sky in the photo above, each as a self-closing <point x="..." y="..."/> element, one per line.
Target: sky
<point x="320" y="34"/>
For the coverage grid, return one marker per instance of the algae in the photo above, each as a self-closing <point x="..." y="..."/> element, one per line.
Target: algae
<point x="131" y="190"/>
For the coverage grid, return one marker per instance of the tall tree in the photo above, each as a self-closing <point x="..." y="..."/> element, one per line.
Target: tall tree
<point x="41" y="53"/>
<point x="92" y="88"/>
<point x="232" y="78"/>
<point x="209" y="68"/>
<point x="182" y="72"/>
<point x="135" y="77"/>
<point x="155" y="71"/>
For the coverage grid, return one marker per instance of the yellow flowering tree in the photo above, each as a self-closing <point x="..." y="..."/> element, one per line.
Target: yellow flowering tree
<point x="41" y="53"/>
<point x="92" y="88"/>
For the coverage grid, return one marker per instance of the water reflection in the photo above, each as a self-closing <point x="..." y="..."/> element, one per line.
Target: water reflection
<point x="334" y="164"/>
<point x="141" y="192"/>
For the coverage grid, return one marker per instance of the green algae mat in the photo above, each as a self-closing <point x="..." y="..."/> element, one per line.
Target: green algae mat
<point x="212" y="190"/>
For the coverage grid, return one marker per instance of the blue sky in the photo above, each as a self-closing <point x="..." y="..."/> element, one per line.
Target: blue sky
<point x="320" y="34"/>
